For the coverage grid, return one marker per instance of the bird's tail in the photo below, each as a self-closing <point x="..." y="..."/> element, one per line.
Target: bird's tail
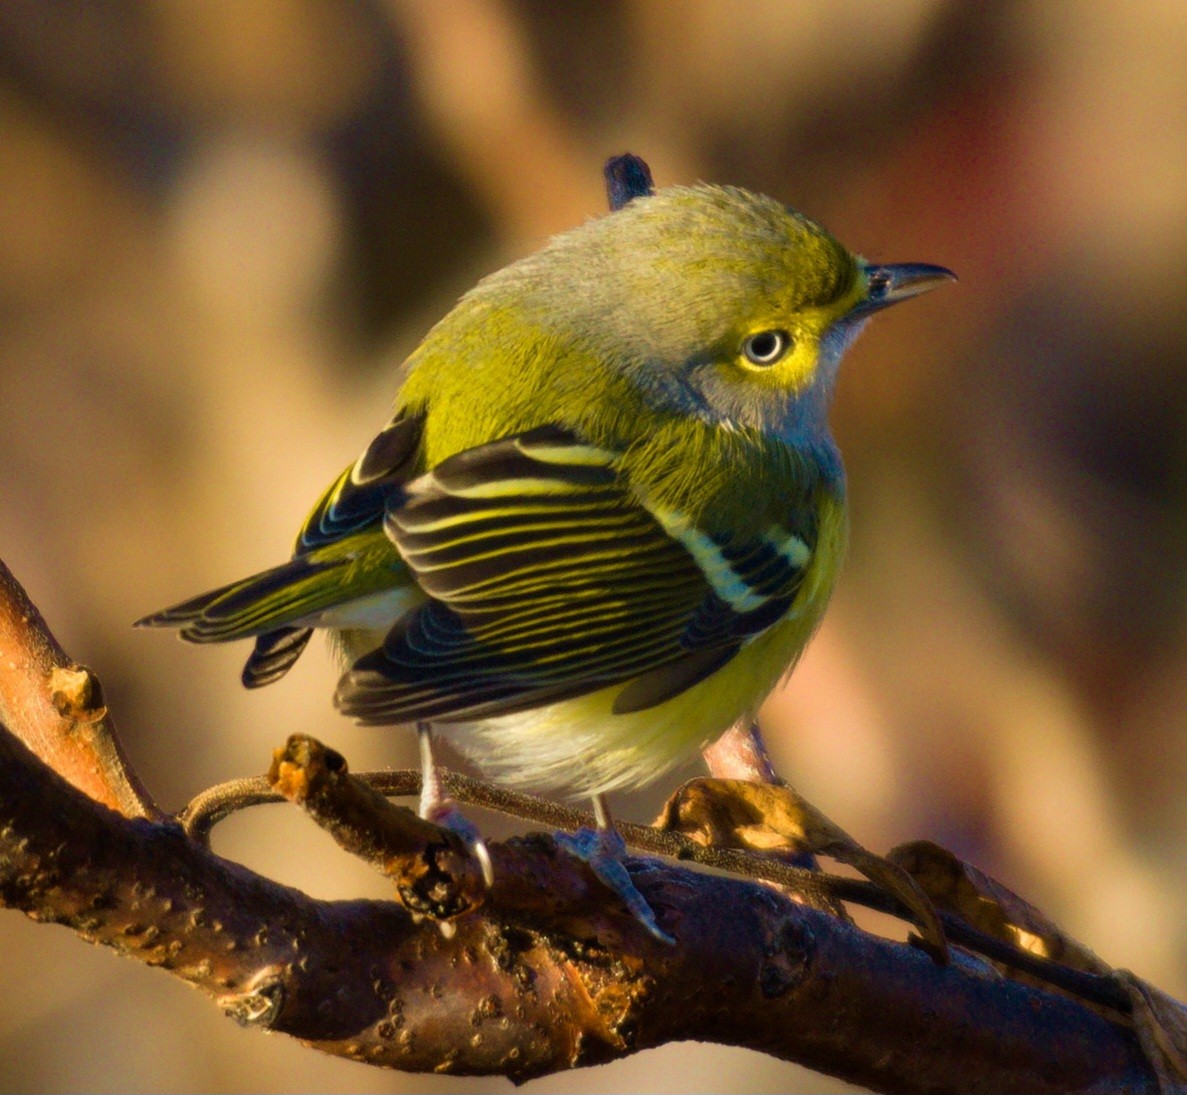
<point x="272" y="607"/>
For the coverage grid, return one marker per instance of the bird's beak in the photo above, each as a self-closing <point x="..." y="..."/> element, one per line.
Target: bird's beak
<point x="887" y="285"/>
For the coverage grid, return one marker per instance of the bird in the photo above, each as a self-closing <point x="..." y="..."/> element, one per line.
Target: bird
<point x="606" y="513"/>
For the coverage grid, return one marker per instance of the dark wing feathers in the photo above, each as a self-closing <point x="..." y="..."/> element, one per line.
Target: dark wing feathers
<point x="391" y="451"/>
<point x="274" y="655"/>
<point x="252" y="606"/>
<point x="768" y="574"/>
<point x="357" y="498"/>
<point x="655" y="686"/>
<point x="551" y="579"/>
<point x="548" y="576"/>
<point x="545" y="454"/>
<point x="267" y="605"/>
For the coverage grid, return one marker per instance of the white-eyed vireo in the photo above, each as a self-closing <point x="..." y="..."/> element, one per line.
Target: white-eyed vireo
<point x="607" y="512"/>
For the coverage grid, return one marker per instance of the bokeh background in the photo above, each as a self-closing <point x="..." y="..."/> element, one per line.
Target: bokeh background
<point x="223" y="223"/>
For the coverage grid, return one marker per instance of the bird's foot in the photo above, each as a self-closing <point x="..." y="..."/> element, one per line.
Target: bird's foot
<point x="603" y="850"/>
<point x="445" y="812"/>
<point x="436" y="806"/>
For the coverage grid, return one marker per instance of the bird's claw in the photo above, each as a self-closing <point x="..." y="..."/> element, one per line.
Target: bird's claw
<point x="603" y="851"/>
<point x="446" y="814"/>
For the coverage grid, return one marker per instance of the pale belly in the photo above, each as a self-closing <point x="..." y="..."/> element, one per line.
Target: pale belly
<point x="581" y="747"/>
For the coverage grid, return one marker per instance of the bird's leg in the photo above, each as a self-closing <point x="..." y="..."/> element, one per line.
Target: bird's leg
<point x="436" y="806"/>
<point x="602" y="818"/>
<point x="603" y="849"/>
<point x="432" y="796"/>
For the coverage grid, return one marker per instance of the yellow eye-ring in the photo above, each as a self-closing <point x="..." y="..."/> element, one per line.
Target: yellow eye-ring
<point x="766" y="347"/>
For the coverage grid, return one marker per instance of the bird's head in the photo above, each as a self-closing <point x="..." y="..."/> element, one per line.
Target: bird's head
<point x="716" y="302"/>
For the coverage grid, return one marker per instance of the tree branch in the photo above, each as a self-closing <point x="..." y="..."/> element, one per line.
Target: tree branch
<point x="56" y="708"/>
<point x="549" y="973"/>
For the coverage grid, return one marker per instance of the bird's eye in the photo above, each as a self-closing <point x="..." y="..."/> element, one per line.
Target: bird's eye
<point x="766" y="347"/>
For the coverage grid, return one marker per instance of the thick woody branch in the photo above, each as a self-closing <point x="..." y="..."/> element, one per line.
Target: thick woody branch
<point x="522" y="991"/>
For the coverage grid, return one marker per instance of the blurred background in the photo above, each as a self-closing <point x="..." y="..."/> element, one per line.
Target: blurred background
<point x="223" y="224"/>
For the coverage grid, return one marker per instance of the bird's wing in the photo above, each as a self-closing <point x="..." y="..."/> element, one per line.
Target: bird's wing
<point x="341" y="554"/>
<point x="357" y="498"/>
<point x="352" y="505"/>
<point x="549" y="577"/>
